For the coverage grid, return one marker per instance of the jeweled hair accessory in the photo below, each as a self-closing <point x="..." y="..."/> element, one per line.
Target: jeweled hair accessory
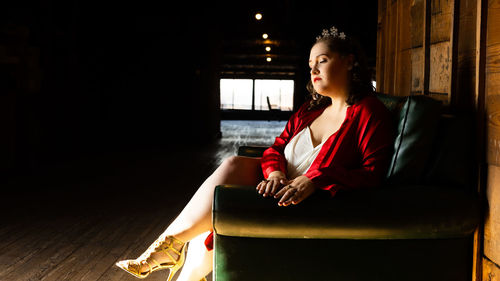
<point x="332" y="32"/>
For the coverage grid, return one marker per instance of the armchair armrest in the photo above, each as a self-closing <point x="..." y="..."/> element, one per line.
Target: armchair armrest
<point x="251" y="151"/>
<point x="405" y="212"/>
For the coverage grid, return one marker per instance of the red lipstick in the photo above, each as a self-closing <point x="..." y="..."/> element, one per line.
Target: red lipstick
<point x="316" y="79"/>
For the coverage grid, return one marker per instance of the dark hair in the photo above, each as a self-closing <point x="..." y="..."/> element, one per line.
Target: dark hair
<point x="360" y="84"/>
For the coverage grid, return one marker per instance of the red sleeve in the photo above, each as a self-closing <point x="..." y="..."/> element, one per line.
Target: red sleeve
<point x="375" y="143"/>
<point x="273" y="158"/>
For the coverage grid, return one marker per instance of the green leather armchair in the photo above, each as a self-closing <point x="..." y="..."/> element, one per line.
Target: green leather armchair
<point x="418" y="226"/>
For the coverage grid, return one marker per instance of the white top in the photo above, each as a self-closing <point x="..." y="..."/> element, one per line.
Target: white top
<point x="300" y="153"/>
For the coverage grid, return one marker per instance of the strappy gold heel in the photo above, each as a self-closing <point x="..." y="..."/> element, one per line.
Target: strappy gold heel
<point x="160" y="245"/>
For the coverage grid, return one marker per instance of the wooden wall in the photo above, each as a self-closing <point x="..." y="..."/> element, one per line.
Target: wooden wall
<point x="404" y="44"/>
<point x="491" y="260"/>
<point x="450" y="50"/>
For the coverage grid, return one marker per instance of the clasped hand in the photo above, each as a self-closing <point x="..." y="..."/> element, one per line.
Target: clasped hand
<point x="291" y="191"/>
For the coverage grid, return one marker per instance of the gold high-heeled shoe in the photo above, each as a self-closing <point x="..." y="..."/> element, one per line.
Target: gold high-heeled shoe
<point x="160" y="245"/>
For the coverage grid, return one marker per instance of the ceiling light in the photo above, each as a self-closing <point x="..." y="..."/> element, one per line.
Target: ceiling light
<point x="268" y="59"/>
<point x="258" y="16"/>
<point x="268" y="49"/>
<point x="265" y="36"/>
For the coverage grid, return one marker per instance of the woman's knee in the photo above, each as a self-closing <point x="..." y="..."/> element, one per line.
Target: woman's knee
<point x="231" y="161"/>
<point x="241" y="165"/>
<point x="240" y="162"/>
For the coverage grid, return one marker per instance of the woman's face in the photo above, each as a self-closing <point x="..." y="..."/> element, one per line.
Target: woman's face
<point x="329" y="71"/>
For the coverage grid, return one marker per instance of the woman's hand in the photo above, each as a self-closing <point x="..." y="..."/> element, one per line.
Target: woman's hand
<point x="272" y="184"/>
<point x="295" y="191"/>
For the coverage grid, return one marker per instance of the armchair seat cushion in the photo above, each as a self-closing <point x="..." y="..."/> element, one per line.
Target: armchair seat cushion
<point x="406" y="212"/>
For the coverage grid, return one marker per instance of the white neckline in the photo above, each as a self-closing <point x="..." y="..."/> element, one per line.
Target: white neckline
<point x="310" y="139"/>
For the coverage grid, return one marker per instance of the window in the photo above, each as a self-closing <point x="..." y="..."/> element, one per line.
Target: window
<point x="279" y="92"/>
<point x="254" y="94"/>
<point x="236" y="93"/>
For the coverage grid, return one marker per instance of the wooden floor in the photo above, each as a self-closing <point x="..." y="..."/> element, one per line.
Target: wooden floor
<point x="74" y="220"/>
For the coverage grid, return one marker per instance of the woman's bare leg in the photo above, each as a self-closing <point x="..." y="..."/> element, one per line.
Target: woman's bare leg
<point x="196" y="217"/>
<point x="199" y="261"/>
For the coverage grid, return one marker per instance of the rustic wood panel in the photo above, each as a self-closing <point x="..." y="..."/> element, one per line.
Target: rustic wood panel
<point x="467" y="29"/>
<point x="466" y="62"/>
<point x="426" y="45"/>
<point x="403" y="58"/>
<point x="380" y="63"/>
<point x="466" y="77"/>
<point x="441" y="20"/>
<point x="493" y="127"/>
<point x="391" y="39"/>
<point x="404" y="74"/>
<point x="492" y="220"/>
<point x="491" y="271"/>
<point x="492" y="85"/>
<point x="417" y="23"/>
<point x="417" y="68"/>
<point x="493" y="30"/>
<point x="440" y="67"/>
<point x="405" y="25"/>
<point x="455" y="20"/>
<point x="388" y="62"/>
<point x="493" y="57"/>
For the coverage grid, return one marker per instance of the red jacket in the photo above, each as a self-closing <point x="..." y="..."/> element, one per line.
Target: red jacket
<point x="356" y="156"/>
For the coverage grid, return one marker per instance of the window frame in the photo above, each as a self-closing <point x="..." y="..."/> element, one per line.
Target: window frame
<point x="253" y="78"/>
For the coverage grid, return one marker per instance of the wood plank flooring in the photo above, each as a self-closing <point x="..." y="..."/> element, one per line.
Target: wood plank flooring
<point x="74" y="220"/>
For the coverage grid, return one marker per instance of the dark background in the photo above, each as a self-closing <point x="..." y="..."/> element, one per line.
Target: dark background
<point x="80" y="77"/>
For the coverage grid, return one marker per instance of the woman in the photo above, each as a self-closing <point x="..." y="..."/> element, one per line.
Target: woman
<point x="341" y="139"/>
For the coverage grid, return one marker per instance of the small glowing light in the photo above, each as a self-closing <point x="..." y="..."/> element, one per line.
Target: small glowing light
<point x="265" y="36"/>
<point x="374" y="84"/>
<point x="258" y="16"/>
<point x="268" y="59"/>
<point x="268" y="49"/>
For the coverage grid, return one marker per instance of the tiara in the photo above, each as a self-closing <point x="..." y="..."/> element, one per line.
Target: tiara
<point x="332" y="32"/>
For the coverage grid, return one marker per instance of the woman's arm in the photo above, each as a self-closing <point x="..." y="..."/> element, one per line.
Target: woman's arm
<point x="273" y="158"/>
<point x="273" y="162"/>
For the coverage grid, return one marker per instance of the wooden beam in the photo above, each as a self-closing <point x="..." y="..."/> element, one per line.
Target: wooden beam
<point x="479" y="89"/>
<point x="455" y="23"/>
<point x="426" y="45"/>
<point x="480" y="93"/>
<point x="395" y="80"/>
<point x="379" y="70"/>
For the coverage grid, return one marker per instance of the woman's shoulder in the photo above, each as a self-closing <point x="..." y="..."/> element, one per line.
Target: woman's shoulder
<point x="371" y="104"/>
